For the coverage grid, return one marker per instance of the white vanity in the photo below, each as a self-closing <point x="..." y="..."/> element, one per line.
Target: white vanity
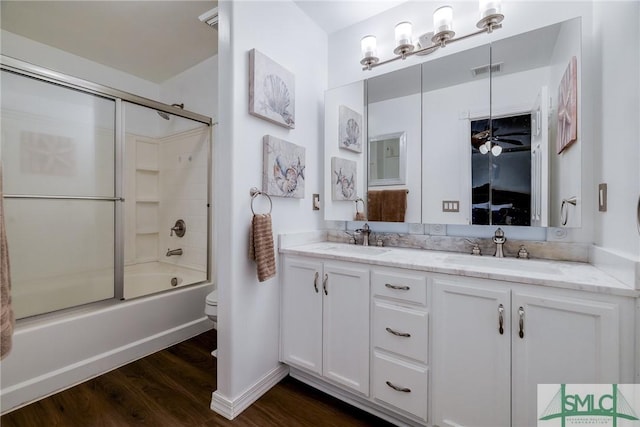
<point x="437" y="338"/>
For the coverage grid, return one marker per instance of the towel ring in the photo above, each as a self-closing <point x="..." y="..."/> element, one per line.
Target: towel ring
<point x="564" y="208"/>
<point x="254" y="192"/>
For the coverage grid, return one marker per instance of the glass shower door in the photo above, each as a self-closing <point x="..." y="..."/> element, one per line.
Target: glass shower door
<point x="58" y="152"/>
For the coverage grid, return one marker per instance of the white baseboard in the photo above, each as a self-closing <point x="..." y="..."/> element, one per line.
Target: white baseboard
<point x="231" y="408"/>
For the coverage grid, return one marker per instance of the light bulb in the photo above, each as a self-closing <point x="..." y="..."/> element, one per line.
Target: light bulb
<point x="369" y="47"/>
<point x="443" y="19"/>
<point x="403" y="34"/>
<point x="490" y="7"/>
<point x="496" y="150"/>
<point x="484" y="148"/>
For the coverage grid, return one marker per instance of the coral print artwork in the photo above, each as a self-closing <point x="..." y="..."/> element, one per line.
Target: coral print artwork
<point x="283" y="171"/>
<point x="349" y="129"/>
<point x="568" y="107"/>
<point x="343" y="179"/>
<point x="271" y="91"/>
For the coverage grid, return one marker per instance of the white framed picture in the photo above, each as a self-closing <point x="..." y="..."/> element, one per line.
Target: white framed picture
<point x="283" y="168"/>
<point x="349" y="129"/>
<point x="271" y="90"/>
<point x="344" y="182"/>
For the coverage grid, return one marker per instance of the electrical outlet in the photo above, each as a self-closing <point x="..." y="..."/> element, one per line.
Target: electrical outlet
<point x="602" y="197"/>
<point x="450" y="206"/>
<point x="316" y="202"/>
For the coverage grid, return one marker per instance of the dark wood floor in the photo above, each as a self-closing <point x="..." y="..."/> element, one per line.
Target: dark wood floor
<point x="173" y="388"/>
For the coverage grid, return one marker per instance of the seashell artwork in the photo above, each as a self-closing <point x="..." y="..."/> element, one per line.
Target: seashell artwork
<point x="271" y="90"/>
<point x="283" y="169"/>
<point x="349" y="129"/>
<point x="568" y="107"/>
<point x="344" y="184"/>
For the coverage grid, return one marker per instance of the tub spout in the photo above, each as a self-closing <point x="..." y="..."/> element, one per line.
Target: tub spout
<point x="171" y="252"/>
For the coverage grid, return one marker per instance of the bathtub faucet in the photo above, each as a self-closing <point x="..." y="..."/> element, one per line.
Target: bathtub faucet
<point x="171" y="252"/>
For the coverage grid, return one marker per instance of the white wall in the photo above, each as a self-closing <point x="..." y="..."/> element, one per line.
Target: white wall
<point x="196" y="87"/>
<point x="248" y="310"/>
<point x="616" y="38"/>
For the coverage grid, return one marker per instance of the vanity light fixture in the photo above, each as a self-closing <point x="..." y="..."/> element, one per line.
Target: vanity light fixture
<point x="491" y="18"/>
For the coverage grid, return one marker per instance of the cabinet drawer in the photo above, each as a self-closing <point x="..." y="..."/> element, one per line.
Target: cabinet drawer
<point x="400" y="330"/>
<point x="411" y="383"/>
<point x="400" y="285"/>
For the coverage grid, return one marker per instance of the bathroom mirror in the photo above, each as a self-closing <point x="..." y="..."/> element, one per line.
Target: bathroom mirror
<point x="387" y="157"/>
<point x="450" y="107"/>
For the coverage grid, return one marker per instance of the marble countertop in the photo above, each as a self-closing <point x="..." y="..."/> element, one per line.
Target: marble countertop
<point x="558" y="274"/>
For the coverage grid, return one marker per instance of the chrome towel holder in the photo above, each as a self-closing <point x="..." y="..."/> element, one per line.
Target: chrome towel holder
<point x="254" y="192"/>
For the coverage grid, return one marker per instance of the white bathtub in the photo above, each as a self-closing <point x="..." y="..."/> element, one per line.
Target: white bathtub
<point x="151" y="277"/>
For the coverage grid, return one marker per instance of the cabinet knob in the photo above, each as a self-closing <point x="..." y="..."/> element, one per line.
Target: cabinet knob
<point x="398" y="388"/>
<point x="315" y="282"/>
<point x="397" y="287"/>
<point x="521" y="322"/>
<point x="399" y="334"/>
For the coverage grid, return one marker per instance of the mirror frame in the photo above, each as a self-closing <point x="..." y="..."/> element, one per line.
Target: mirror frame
<point x="402" y="167"/>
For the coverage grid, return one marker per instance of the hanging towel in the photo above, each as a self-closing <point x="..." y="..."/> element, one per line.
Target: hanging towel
<point x="6" y="312"/>
<point x="387" y="205"/>
<point x="261" y="246"/>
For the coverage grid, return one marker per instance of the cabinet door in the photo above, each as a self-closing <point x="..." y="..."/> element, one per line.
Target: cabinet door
<point x="564" y="341"/>
<point x="346" y="326"/>
<point x="471" y="365"/>
<point x="302" y="314"/>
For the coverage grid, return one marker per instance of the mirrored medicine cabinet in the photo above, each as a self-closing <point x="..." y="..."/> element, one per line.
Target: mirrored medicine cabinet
<point x="471" y="137"/>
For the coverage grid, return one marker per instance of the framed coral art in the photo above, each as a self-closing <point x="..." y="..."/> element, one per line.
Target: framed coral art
<point x="568" y="107"/>
<point x="344" y="183"/>
<point x="349" y="129"/>
<point x="283" y="171"/>
<point x="271" y="91"/>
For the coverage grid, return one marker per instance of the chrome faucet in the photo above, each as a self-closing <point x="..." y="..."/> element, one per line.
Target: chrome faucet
<point x="499" y="239"/>
<point x="171" y="252"/>
<point x="365" y="231"/>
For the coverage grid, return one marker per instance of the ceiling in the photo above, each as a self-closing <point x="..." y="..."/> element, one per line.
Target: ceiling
<point x="154" y="40"/>
<point x="334" y="15"/>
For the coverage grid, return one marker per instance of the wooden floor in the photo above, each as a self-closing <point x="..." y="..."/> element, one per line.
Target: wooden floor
<point x="173" y="388"/>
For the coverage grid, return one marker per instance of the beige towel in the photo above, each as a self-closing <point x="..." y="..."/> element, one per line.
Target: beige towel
<point x="387" y="205"/>
<point x="261" y="246"/>
<point x="6" y="312"/>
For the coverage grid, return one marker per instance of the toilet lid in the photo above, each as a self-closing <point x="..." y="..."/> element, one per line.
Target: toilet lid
<point x="212" y="298"/>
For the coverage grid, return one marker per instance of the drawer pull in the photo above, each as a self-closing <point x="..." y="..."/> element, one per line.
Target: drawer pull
<point x="501" y="319"/>
<point x="396" y="333"/>
<point x="397" y="287"/>
<point x="315" y="282"/>
<point x="324" y="284"/>
<point x="396" y="388"/>
<point x="521" y="322"/>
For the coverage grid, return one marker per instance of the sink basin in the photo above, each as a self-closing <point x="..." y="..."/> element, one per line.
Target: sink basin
<point x="361" y="250"/>
<point x="503" y="264"/>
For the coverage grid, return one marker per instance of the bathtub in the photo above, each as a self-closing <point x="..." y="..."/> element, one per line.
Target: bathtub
<point x="151" y="277"/>
<point x="40" y="296"/>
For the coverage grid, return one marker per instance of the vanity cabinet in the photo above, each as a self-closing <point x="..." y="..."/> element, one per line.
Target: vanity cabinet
<point x="400" y="334"/>
<point x="494" y="342"/>
<point x="325" y="320"/>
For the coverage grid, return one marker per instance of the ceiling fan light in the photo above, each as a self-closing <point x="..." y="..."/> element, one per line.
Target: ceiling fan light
<point x="496" y="150"/>
<point x="484" y="148"/>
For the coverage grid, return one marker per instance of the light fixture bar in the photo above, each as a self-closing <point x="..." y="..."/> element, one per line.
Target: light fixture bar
<point x="430" y="49"/>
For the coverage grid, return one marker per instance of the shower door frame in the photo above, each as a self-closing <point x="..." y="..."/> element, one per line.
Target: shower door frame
<point x="37" y="72"/>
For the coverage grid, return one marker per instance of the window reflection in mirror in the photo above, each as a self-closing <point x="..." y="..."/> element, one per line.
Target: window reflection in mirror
<point x="501" y="170"/>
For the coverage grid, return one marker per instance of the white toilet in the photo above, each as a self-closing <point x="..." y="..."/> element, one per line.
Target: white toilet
<point x="211" y="310"/>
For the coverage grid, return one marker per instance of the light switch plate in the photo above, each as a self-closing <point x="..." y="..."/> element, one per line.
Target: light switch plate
<point x="450" y="206"/>
<point x="316" y="202"/>
<point x="602" y="197"/>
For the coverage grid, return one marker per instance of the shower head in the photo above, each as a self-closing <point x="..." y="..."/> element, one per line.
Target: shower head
<point x="166" y="115"/>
